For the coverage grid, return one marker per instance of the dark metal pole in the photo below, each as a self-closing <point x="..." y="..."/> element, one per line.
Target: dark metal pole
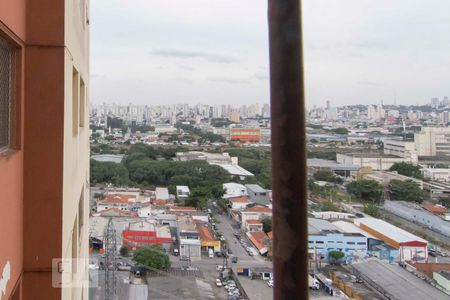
<point x="288" y="150"/>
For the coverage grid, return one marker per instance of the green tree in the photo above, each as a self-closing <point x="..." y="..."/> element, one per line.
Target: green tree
<point x="369" y="190"/>
<point x="115" y="122"/>
<point x="123" y="251"/>
<point x="407" y="169"/>
<point x="336" y="256"/>
<point x="405" y="190"/>
<point x="108" y="172"/>
<point x="267" y="224"/>
<point x="372" y="210"/>
<point x="340" y="130"/>
<point x="152" y="257"/>
<point x="330" y="155"/>
<point x="326" y="175"/>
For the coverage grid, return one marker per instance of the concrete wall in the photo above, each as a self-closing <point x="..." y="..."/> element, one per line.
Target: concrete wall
<point x="325" y="243"/>
<point x="429" y="268"/>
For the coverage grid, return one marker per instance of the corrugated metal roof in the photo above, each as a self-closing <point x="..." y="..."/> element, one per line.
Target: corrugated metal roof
<point x="317" y="226"/>
<point x="349" y="227"/>
<point x="234" y="169"/>
<point x="393" y="232"/>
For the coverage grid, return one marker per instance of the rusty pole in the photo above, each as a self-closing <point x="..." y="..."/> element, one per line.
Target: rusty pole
<point x="288" y="150"/>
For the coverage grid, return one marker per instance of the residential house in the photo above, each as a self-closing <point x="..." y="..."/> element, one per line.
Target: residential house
<point x="257" y="194"/>
<point x="260" y="240"/>
<point x="254" y="213"/>
<point x="207" y="239"/>
<point x="120" y="201"/>
<point x="253" y="225"/>
<point x="233" y="189"/>
<point x="238" y="203"/>
<point x="188" y="237"/>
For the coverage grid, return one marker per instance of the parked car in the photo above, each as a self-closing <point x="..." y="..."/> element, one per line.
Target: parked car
<point x="234" y="259"/>
<point x="270" y="283"/>
<point x="218" y="282"/>
<point x="219" y="268"/>
<point x="218" y="254"/>
<point x="184" y="258"/>
<point x="230" y="251"/>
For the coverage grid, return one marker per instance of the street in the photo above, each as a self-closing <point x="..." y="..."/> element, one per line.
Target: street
<point x="256" y="289"/>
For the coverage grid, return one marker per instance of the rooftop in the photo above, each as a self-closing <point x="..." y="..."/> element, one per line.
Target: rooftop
<point x="258" y="238"/>
<point x="239" y="199"/>
<point x="324" y="163"/>
<point x="182" y="208"/>
<point x="349" y="227"/>
<point x="253" y="222"/>
<point x="258" y="209"/>
<point x="255" y="188"/>
<point x="119" y="198"/>
<point x="205" y="234"/>
<point x="397" y="282"/>
<point x="390" y="231"/>
<point x="234" y="169"/>
<point x="318" y="226"/>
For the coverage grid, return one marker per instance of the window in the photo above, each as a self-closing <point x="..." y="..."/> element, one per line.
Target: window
<point x="319" y="242"/>
<point x="82" y="116"/>
<point x="81" y="212"/>
<point x="74" y="248"/>
<point x="5" y="94"/>
<point x="75" y="100"/>
<point x="361" y="243"/>
<point x="350" y="243"/>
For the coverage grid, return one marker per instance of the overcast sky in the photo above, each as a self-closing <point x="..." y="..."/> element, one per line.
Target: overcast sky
<point x="216" y="51"/>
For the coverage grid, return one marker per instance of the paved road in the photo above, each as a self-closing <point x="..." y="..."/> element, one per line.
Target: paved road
<point x="255" y="289"/>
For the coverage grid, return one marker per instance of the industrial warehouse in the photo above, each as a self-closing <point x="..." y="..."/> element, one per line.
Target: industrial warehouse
<point x="410" y="246"/>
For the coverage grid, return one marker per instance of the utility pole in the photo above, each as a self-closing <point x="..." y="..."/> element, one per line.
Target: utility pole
<point x="110" y="261"/>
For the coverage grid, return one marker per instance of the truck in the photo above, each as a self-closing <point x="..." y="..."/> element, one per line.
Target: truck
<point x="313" y="283"/>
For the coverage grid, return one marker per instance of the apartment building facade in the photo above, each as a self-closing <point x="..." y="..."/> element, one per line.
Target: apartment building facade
<point x="44" y="149"/>
<point x="433" y="141"/>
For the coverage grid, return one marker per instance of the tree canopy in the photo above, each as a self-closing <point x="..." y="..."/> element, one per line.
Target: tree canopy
<point x="405" y="190"/>
<point x="336" y="256"/>
<point x="152" y="257"/>
<point x="372" y="210"/>
<point x="267" y="224"/>
<point x="369" y="190"/>
<point x="327" y="175"/>
<point x="407" y="169"/>
<point x="108" y="172"/>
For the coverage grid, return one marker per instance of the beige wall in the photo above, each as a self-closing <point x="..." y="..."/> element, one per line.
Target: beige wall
<point x="76" y="143"/>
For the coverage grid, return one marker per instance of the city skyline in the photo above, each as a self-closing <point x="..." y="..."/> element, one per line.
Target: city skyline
<point x="166" y="54"/>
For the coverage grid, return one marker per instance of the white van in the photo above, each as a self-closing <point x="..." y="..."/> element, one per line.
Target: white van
<point x="211" y="253"/>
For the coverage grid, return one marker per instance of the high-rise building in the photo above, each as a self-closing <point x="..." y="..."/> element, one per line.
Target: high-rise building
<point x="445" y="117"/>
<point x="44" y="145"/>
<point x="445" y="101"/>
<point x="234" y="116"/>
<point x="433" y="141"/>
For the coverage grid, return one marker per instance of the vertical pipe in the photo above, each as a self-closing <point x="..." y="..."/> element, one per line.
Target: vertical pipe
<point x="288" y="150"/>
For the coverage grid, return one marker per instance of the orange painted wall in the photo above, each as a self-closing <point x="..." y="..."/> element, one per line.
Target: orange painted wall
<point x="12" y="15"/>
<point x="380" y="236"/>
<point x="31" y="174"/>
<point x="12" y="29"/>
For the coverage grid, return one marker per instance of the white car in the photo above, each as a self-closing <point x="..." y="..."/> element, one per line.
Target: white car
<point x="219" y="268"/>
<point x="218" y="282"/>
<point x="270" y="283"/>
